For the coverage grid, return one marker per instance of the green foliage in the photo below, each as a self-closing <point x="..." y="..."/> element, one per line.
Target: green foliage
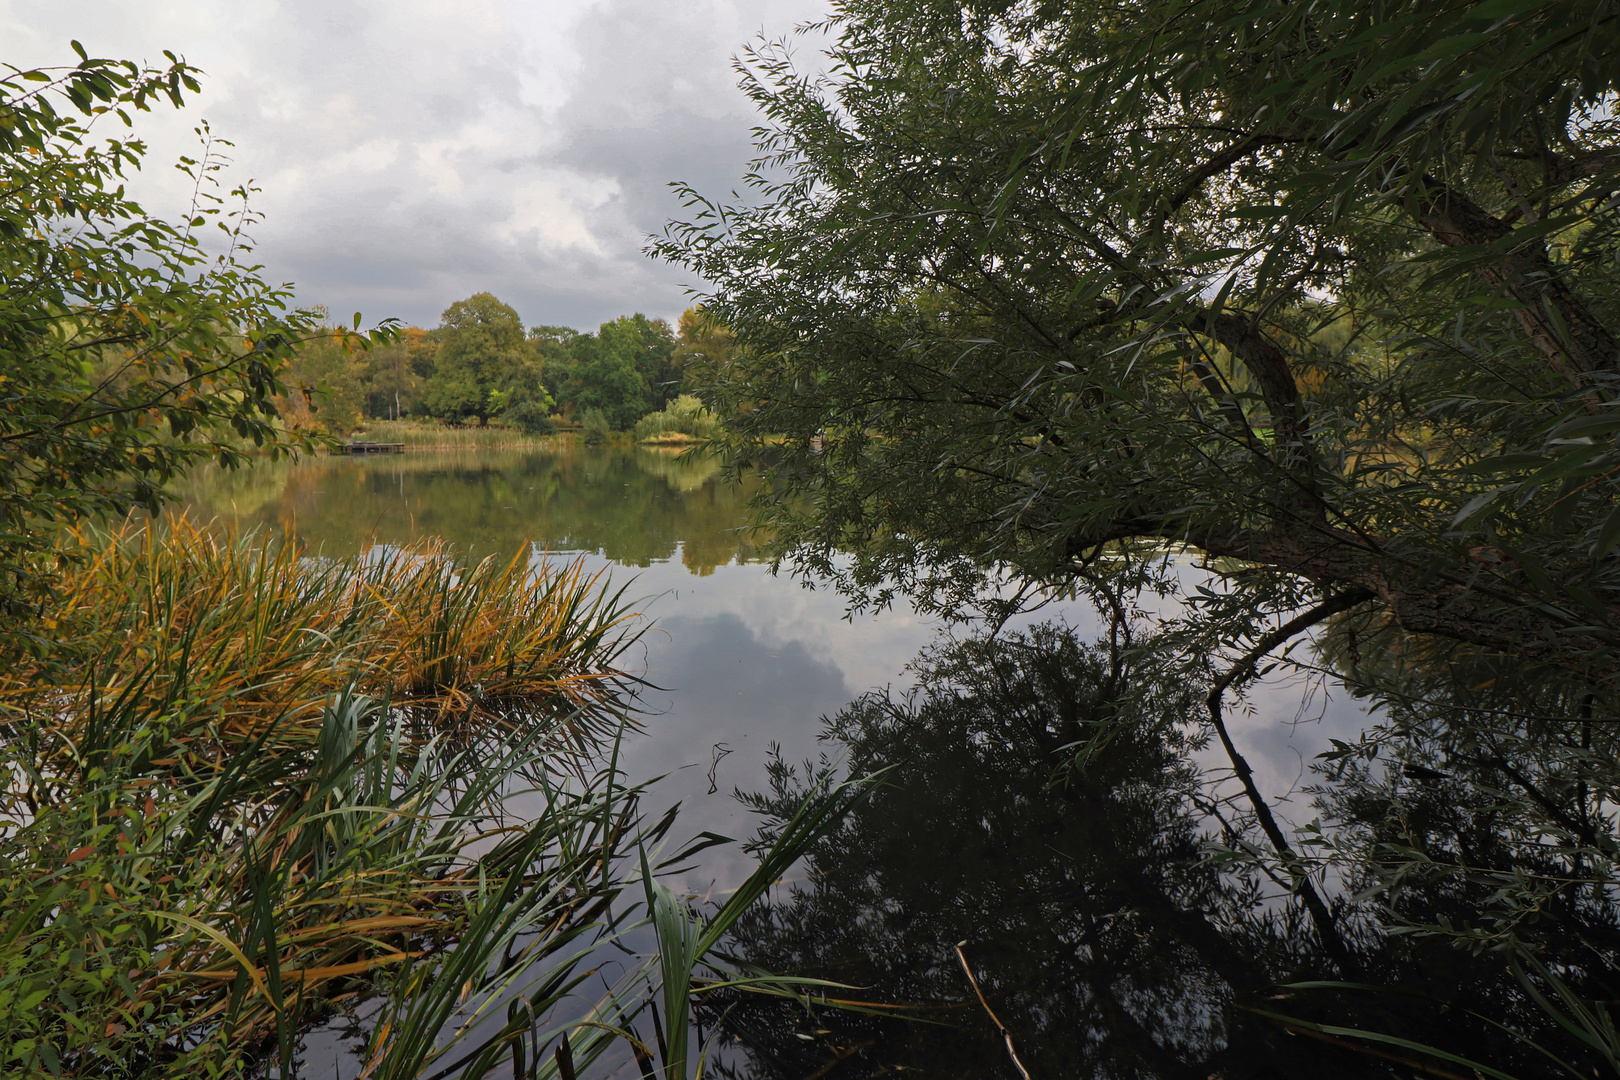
<point x="648" y="345"/>
<point x="703" y="344"/>
<point x="128" y="352"/>
<point x="623" y="370"/>
<point x="528" y="408"/>
<point x="689" y="958"/>
<point x="1329" y="291"/>
<point x="482" y="358"/>
<point x="389" y="388"/>
<point x="594" y="427"/>
<point x="327" y="382"/>
<point x="685" y="418"/>
<point x="1325" y="295"/>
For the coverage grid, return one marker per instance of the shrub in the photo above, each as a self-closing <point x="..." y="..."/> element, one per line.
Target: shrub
<point x="684" y="419"/>
<point x="594" y="426"/>
<point x="529" y="410"/>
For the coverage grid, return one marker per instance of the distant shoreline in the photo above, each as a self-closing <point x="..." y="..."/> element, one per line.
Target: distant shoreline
<point x="429" y="436"/>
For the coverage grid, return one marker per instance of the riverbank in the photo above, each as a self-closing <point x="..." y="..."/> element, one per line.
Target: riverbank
<point x="417" y="435"/>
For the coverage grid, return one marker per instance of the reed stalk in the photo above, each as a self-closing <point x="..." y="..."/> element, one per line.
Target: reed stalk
<point x="426" y="436"/>
<point x="252" y="784"/>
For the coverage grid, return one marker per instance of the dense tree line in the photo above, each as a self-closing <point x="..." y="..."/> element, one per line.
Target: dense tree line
<point x="481" y="364"/>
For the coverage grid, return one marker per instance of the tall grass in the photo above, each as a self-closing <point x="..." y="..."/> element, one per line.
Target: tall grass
<point x="253" y="784"/>
<point x="420" y="435"/>
<point x="253" y="637"/>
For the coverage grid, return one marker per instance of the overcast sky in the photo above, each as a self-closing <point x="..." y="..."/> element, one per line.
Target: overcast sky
<point x="413" y="152"/>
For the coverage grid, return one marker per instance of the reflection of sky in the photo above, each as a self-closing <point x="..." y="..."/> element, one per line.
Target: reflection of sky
<point x="742" y="659"/>
<point x="746" y="660"/>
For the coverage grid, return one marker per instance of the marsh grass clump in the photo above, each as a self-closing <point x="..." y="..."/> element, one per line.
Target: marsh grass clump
<point x="252" y="784"/>
<point x="254" y="636"/>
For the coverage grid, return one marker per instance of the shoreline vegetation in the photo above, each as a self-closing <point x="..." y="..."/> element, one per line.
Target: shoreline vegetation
<point x="253" y="792"/>
<point x="256" y="788"/>
<point x="428" y="435"/>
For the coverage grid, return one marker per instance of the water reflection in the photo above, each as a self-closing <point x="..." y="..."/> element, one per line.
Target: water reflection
<point x="633" y="505"/>
<point x="1102" y="937"/>
<point x="1102" y="934"/>
<point x="738" y="659"/>
<point x="742" y="659"/>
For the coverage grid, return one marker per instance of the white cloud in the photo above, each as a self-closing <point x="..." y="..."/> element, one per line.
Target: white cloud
<point x="412" y="152"/>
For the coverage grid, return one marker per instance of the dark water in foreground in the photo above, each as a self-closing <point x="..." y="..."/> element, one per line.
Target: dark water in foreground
<point x="1095" y="926"/>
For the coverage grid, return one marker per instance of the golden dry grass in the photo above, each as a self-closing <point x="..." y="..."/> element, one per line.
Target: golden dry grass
<point x="259" y="638"/>
<point x="259" y="780"/>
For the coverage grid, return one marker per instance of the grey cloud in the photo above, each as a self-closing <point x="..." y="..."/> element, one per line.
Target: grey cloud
<point x="412" y="152"/>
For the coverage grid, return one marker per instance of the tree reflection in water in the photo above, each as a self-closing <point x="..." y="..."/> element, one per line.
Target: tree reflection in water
<point x="1044" y="811"/>
<point x="635" y="505"/>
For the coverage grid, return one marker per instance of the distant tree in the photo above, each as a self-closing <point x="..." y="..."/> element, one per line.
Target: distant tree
<point x="702" y="343"/>
<point x="594" y="424"/>
<point x="391" y="387"/>
<point x="650" y="346"/>
<point x="626" y="369"/>
<point x="421" y="350"/>
<point x="553" y="347"/>
<point x="527" y="406"/>
<point x="483" y="355"/>
<point x="327" y="380"/>
<point x="606" y="379"/>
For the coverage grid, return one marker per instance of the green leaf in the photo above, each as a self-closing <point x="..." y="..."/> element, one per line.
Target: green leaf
<point x="1478" y="503"/>
<point x="1608" y="535"/>
<point x="1502" y="9"/>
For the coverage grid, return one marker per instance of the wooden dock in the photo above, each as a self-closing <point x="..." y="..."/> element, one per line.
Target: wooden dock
<point x="371" y="448"/>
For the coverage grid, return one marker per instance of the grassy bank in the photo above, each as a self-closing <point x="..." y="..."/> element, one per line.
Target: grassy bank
<point x="419" y="435"/>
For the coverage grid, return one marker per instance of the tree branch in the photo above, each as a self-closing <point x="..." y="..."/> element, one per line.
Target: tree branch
<point x="1317" y="909"/>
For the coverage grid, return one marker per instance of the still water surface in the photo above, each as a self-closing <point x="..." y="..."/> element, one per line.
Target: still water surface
<point x="744" y="660"/>
<point x="741" y="659"/>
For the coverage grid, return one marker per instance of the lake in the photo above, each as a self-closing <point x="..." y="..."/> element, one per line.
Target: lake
<point x="743" y="659"/>
<point x="745" y="663"/>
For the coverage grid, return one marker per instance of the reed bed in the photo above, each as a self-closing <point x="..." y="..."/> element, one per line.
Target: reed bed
<point x="256" y="638"/>
<point x="423" y="436"/>
<point x="253" y="784"/>
<point x="254" y="788"/>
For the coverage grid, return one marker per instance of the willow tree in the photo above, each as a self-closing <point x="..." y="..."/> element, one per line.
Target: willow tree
<point x="1327" y="291"/>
